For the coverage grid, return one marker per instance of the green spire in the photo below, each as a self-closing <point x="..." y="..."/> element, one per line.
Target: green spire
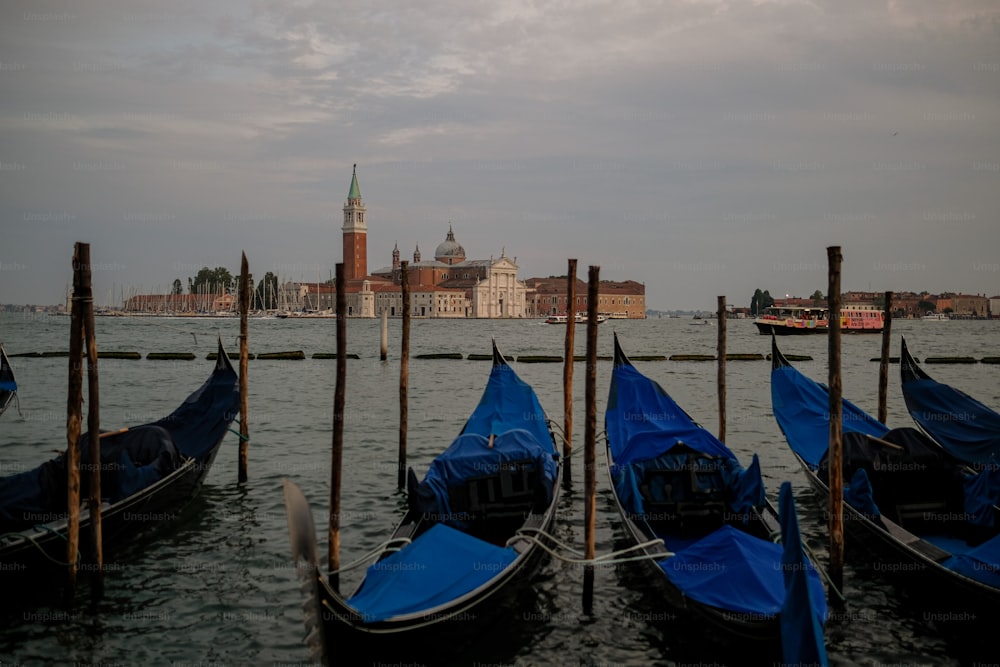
<point x="355" y="192"/>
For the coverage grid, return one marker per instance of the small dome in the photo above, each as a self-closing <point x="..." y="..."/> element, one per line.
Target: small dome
<point x="450" y="248"/>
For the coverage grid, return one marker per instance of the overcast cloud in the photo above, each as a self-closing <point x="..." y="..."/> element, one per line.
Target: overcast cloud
<point x="703" y="148"/>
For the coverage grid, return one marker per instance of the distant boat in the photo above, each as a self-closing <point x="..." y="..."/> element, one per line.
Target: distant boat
<point x="8" y="386"/>
<point x="935" y="317"/>
<point x="701" y="323"/>
<point x="805" y="320"/>
<point x="580" y="318"/>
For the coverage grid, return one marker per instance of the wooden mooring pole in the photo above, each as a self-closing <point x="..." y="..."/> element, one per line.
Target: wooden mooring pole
<point x="93" y="428"/>
<point x="721" y="378"/>
<point x="836" y="477"/>
<point x="568" y="370"/>
<point x="244" y="368"/>
<point x="74" y="411"/>
<point x="590" y="438"/>
<point x="883" y="369"/>
<point x="336" y="469"/>
<point x="404" y="375"/>
<point x="383" y="350"/>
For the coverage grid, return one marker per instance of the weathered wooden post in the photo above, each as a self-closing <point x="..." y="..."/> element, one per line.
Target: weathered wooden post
<point x="93" y="426"/>
<point x="404" y="375"/>
<point x="835" y="258"/>
<point x="383" y="352"/>
<point x="883" y="369"/>
<point x="568" y="369"/>
<point x="721" y="379"/>
<point x="590" y="437"/>
<point x="74" y="411"/>
<point x="336" y="463"/>
<point x="244" y="368"/>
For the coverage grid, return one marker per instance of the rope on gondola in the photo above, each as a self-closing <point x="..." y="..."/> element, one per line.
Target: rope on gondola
<point x="79" y="557"/>
<point x="385" y="546"/>
<point x="238" y="434"/>
<point x="612" y="558"/>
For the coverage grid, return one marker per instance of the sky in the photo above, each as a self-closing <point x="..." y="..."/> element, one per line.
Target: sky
<point x="703" y="147"/>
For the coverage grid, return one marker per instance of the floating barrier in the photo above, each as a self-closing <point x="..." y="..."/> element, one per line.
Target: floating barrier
<point x="792" y="357"/>
<point x="332" y="355"/>
<point x="212" y="356"/>
<point x="294" y="355"/>
<point x="539" y="359"/>
<point x="745" y="357"/>
<point x="950" y="360"/>
<point x="990" y="360"/>
<point x="692" y="357"/>
<point x="168" y="356"/>
<point x="117" y="355"/>
<point x="480" y="357"/>
<point x="440" y="355"/>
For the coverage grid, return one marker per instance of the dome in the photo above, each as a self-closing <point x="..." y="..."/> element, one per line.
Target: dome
<point x="449" y="249"/>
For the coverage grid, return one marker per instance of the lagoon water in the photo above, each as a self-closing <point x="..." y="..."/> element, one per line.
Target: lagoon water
<point x="217" y="587"/>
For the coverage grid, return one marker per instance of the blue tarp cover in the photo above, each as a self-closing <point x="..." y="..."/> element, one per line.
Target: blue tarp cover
<point x="8" y="385"/>
<point x="802" y="408"/>
<point x="470" y="456"/>
<point x="803" y="611"/>
<point x="439" y="566"/>
<point x="982" y="493"/>
<point x="969" y="430"/>
<point x="981" y="563"/>
<point x="643" y="421"/>
<point x="732" y="570"/>
<point x="508" y="402"/>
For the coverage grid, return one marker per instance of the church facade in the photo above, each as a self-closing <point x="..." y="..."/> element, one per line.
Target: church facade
<point x="453" y="286"/>
<point x="448" y="286"/>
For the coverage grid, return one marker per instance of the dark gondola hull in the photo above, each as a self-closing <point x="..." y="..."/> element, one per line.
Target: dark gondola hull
<point x="902" y="555"/>
<point x="469" y="622"/>
<point x="469" y="503"/>
<point x="33" y="559"/>
<point x="725" y="625"/>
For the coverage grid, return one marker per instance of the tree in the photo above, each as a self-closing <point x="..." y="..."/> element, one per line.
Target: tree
<point x="760" y="301"/>
<point x="925" y="306"/>
<point x="266" y="296"/>
<point x="212" y="281"/>
<point x="178" y="287"/>
<point x="817" y="297"/>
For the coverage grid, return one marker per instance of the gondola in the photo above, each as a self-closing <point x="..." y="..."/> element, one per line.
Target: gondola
<point x="8" y="385"/>
<point x="703" y="521"/>
<point x="969" y="430"/>
<point x="148" y="474"/>
<point x="468" y="541"/>
<point x="918" y="512"/>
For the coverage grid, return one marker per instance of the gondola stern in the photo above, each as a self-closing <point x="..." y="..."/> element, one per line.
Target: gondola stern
<point x="778" y="360"/>
<point x="302" y="535"/>
<point x="909" y="371"/>
<point x="498" y="358"/>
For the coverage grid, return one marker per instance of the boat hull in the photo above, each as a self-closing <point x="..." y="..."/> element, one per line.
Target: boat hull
<point x="452" y="628"/>
<point x="905" y="557"/>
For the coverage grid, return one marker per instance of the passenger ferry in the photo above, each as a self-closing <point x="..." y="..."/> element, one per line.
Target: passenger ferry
<point x="580" y="318"/>
<point x="803" y="320"/>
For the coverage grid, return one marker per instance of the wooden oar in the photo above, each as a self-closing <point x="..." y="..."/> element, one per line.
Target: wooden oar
<point x="884" y="443"/>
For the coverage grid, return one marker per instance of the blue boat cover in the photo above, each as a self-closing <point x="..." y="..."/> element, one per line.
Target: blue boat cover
<point x="509" y="402"/>
<point x="860" y="495"/>
<point x="471" y="455"/>
<point x="8" y="385"/>
<point x="732" y="570"/>
<point x="802" y="408"/>
<point x="436" y="568"/>
<point x="643" y="421"/>
<point x="982" y="493"/>
<point x="803" y="612"/>
<point x="981" y="563"/>
<point x="131" y="460"/>
<point x="966" y="428"/>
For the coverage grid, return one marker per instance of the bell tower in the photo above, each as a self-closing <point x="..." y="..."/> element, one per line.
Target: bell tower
<point x="355" y="231"/>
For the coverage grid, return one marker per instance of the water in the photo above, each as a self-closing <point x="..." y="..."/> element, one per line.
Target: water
<point x="217" y="587"/>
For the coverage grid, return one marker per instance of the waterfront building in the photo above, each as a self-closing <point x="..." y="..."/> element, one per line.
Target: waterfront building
<point x="618" y="300"/>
